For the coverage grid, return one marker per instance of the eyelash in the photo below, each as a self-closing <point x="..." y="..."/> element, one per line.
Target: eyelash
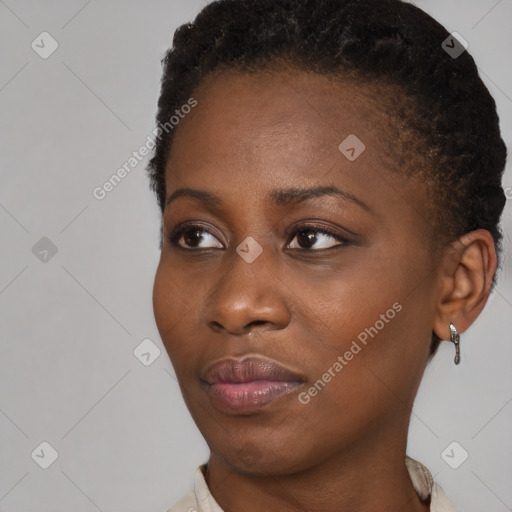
<point x="181" y="230"/>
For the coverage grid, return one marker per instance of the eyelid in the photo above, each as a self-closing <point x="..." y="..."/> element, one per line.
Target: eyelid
<point x="341" y="240"/>
<point x="177" y="232"/>
<point x="315" y="226"/>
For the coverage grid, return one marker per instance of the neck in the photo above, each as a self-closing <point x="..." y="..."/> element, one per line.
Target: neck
<point x="369" y="476"/>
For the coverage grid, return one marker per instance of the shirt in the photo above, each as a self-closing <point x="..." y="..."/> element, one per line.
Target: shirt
<point x="200" y="500"/>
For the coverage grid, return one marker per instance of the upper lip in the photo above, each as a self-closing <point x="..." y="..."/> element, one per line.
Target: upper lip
<point x="249" y="369"/>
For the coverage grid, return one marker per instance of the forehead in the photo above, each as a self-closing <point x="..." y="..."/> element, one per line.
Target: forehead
<point x="278" y="120"/>
<point x="260" y="100"/>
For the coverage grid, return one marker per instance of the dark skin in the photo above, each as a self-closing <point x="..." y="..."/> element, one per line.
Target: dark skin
<point x="302" y="304"/>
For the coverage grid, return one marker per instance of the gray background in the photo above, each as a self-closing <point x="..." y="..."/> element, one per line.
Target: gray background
<point x="69" y="326"/>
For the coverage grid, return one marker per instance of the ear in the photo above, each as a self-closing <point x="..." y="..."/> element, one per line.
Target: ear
<point x="468" y="268"/>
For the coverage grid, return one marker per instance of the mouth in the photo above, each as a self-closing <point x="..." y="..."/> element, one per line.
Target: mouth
<point x="244" y="386"/>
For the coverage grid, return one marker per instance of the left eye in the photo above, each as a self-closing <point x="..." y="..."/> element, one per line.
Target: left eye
<point x="308" y="237"/>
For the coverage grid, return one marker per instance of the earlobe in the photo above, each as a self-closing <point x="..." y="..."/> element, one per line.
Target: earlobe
<point x="466" y="279"/>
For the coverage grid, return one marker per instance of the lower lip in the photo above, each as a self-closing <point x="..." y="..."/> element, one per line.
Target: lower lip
<point x="246" y="397"/>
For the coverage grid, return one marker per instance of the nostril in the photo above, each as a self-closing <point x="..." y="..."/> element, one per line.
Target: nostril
<point x="216" y="326"/>
<point x="258" y="322"/>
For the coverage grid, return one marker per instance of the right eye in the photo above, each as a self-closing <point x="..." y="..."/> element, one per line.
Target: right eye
<point x="193" y="236"/>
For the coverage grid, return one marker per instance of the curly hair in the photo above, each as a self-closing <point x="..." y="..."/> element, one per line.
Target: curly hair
<point x="442" y="117"/>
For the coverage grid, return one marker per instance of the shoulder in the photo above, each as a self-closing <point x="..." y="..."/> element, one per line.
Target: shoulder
<point x="440" y="502"/>
<point x="187" y="504"/>
<point x="426" y="487"/>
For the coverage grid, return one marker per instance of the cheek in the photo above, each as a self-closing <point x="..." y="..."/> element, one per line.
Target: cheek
<point x="336" y="307"/>
<point x="163" y="303"/>
<point x="173" y="303"/>
<point x="366" y="343"/>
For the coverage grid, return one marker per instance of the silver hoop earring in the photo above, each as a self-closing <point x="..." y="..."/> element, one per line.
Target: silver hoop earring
<point x="455" y="338"/>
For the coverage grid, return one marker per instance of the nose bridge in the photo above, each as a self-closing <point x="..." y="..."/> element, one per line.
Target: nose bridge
<point x="246" y="274"/>
<point x="245" y="292"/>
<point x="254" y="241"/>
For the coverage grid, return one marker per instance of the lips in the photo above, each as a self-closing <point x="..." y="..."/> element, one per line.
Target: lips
<point x="246" y="385"/>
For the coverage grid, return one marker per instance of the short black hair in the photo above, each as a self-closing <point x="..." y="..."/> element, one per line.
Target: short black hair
<point x="440" y="98"/>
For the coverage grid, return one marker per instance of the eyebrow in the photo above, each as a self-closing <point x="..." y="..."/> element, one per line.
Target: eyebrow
<point x="283" y="197"/>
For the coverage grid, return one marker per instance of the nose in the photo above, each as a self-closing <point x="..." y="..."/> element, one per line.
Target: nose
<point x="247" y="297"/>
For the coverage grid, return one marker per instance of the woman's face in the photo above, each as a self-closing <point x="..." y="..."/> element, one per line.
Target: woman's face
<point x="348" y="314"/>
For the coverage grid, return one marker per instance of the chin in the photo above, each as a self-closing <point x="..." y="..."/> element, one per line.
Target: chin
<point x="253" y="460"/>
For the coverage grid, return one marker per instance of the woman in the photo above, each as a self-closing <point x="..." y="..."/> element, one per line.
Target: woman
<point x="329" y="176"/>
